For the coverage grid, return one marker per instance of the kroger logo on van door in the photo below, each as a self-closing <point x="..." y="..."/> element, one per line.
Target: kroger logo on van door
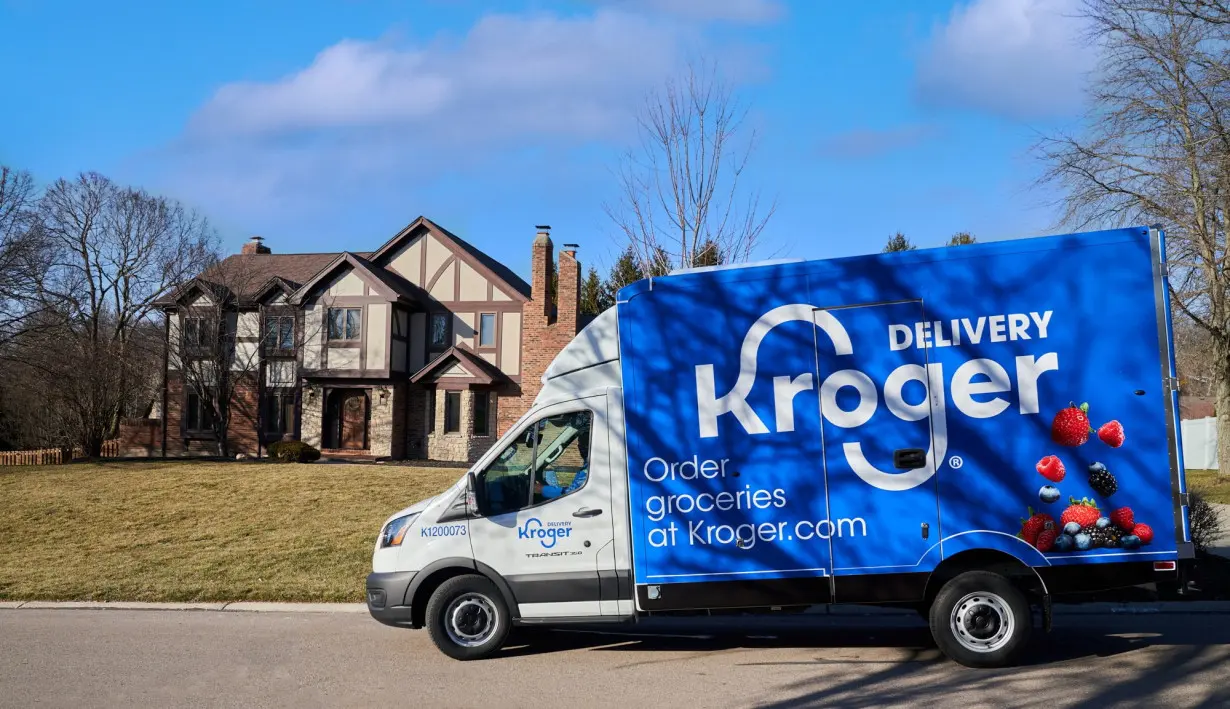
<point x="993" y="378"/>
<point x="547" y="534"/>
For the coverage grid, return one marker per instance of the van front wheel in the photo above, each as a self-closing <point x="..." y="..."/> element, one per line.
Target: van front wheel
<point x="979" y="619"/>
<point x="467" y="618"/>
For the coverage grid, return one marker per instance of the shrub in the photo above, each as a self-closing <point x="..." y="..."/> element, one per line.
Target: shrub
<point x="1205" y="524"/>
<point x="293" y="452"/>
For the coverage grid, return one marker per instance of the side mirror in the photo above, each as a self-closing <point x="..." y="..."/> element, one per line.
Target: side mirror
<point x="474" y="496"/>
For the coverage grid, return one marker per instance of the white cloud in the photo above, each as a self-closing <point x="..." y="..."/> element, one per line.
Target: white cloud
<point x="1017" y="58"/>
<point x="510" y="75"/>
<point x="739" y="11"/>
<point x="366" y="115"/>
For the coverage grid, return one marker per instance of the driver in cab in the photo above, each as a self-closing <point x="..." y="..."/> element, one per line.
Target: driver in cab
<point x="552" y="489"/>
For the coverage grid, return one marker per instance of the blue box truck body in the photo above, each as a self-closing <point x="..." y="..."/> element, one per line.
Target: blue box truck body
<point x="764" y="406"/>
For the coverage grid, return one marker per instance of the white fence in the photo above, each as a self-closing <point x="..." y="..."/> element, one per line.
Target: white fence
<point x="1200" y="444"/>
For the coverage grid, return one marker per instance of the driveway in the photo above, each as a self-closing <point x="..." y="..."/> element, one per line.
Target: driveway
<point x="64" y="658"/>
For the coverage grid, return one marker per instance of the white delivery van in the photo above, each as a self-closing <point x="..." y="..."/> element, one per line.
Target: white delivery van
<point x="968" y="432"/>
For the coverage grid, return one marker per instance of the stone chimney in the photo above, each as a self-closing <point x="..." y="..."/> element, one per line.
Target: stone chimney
<point x="256" y="245"/>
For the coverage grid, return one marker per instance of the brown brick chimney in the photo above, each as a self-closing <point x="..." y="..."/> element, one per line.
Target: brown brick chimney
<point x="568" y="297"/>
<point x="256" y="245"/>
<point x="542" y="264"/>
<point x="545" y="330"/>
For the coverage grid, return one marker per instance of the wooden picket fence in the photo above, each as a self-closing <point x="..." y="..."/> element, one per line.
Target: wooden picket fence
<point x="54" y="456"/>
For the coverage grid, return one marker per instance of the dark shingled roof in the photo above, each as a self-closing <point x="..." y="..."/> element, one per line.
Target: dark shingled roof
<point x="256" y="270"/>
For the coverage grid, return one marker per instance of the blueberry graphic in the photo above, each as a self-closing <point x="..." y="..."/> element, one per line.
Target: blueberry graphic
<point x="1103" y="522"/>
<point x="1072" y="529"/>
<point x="1064" y="542"/>
<point x="1083" y="541"/>
<point x="1130" y="541"/>
<point x="1048" y="494"/>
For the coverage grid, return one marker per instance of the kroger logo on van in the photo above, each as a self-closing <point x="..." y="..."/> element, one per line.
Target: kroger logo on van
<point x="994" y="379"/>
<point x="547" y="535"/>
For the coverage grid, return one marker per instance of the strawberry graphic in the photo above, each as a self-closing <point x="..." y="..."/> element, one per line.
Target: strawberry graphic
<point x="1046" y="539"/>
<point x="1083" y="511"/>
<point x="1051" y="468"/>
<point x="1037" y="522"/>
<point x="1111" y="433"/>
<point x="1145" y="532"/>
<point x="1071" y="426"/>
<point x="1123" y="519"/>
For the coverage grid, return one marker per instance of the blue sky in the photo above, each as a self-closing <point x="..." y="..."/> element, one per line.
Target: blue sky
<point x="329" y="124"/>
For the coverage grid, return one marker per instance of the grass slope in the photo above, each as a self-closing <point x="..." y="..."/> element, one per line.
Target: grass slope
<point x="185" y="531"/>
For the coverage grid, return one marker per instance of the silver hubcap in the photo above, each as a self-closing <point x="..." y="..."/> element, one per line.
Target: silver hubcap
<point x="471" y="619"/>
<point x="982" y="622"/>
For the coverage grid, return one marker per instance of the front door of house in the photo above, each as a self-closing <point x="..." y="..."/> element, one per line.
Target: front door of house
<point x="353" y="425"/>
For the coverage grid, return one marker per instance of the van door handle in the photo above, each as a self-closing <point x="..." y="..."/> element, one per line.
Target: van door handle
<point x="586" y="512"/>
<point x="909" y="458"/>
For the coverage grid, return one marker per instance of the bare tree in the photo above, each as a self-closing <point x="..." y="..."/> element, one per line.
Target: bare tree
<point x="680" y="189"/>
<point x="1158" y="150"/>
<point x="113" y="252"/>
<point x="22" y="253"/>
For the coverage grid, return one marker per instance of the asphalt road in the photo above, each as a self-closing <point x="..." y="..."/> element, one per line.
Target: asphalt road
<point x="62" y="658"/>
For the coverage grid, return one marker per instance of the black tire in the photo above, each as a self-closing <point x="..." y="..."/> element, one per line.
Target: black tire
<point x="467" y="618"/>
<point x="979" y="619"/>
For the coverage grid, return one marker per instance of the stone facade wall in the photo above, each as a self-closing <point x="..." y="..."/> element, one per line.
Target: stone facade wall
<point x="380" y="437"/>
<point x="451" y="446"/>
<point x="311" y="413"/>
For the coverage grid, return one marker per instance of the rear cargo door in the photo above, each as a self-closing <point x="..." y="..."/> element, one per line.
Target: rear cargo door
<point x="875" y="405"/>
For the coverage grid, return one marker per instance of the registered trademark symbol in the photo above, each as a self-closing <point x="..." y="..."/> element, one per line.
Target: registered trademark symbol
<point x="955" y="462"/>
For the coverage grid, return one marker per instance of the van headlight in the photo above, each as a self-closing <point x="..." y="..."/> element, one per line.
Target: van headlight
<point x="395" y="530"/>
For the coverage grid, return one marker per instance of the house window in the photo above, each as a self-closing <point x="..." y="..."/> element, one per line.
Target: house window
<point x="345" y="323"/>
<point x="452" y="412"/>
<point x="482" y="413"/>
<point x="280" y="332"/>
<point x="486" y="330"/>
<point x="279" y="411"/>
<point x="194" y="331"/>
<point x="439" y="331"/>
<point x="197" y="414"/>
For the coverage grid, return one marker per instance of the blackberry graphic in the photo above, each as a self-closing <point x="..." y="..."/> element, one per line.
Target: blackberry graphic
<point x="1103" y="537"/>
<point x="1102" y="481"/>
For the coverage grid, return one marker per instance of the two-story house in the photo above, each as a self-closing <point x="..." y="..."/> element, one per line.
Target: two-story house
<point x="424" y="348"/>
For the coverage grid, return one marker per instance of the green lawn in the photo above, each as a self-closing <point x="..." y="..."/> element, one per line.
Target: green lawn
<point x="1214" y="487"/>
<point x="185" y="531"/>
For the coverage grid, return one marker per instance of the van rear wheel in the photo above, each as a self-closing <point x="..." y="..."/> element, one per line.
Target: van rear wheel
<point x="467" y="618"/>
<point x="979" y="619"/>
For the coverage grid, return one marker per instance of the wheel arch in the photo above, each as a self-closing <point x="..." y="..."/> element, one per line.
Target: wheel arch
<point x="1018" y="572"/>
<point x="431" y="576"/>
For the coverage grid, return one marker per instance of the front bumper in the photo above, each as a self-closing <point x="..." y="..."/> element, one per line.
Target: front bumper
<point x="386" y="598"/>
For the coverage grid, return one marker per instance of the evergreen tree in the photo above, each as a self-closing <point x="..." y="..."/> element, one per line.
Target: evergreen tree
<point x="593" y="300"/>
<point x="899" y="242"/>
<point x="962" y="238"/>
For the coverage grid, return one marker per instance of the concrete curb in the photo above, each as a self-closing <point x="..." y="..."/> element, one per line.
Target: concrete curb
<point x="1086" y="609"/>
<point x="232" y="606"/>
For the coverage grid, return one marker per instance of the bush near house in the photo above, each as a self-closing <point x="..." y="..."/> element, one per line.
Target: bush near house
<point x="293" y="452"/>
<point x="193" y="531"/>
